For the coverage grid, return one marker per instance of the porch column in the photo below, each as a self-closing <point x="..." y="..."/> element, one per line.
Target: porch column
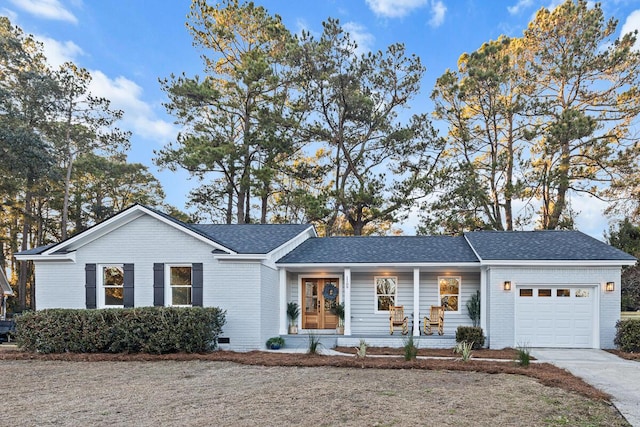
<point x="483" y="299"/>
<point x="416" y="302"/>
<point x="347" y="301"/>
<point x="283" y="300"/>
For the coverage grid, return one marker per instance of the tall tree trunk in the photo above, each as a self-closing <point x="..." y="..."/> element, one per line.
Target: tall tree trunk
<point x="65" y="203"/>
<point x="23" y="273"/>
<point x="563" y="187"/>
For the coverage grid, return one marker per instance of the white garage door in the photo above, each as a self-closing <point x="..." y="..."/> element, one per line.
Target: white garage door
<point x="555" y="316"/>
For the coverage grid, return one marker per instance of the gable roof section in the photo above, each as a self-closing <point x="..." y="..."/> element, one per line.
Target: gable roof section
<point x="542" y="245"/>
<point x="388" y="249"/>
<point x="251" y="238"/>
<point x="226" y="239"/>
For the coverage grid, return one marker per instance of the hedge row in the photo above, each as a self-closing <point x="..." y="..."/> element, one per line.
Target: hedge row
<point x="155" y="330"/>
<point x="628" y="335"/>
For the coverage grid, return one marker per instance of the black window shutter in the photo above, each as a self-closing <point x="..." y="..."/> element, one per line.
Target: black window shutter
<point x="128" y="285"/>
<point x="90" y="285"/>
<point x="196" y="286"/>
<point x="158" y="284"/>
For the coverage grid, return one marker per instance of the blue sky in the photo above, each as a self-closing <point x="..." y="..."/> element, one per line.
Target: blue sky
<point x="127" y="45"/>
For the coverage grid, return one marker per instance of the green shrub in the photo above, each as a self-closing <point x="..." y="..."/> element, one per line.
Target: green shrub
<point x="628" y="335"/>
<point x="464" y="348"/>
<point x="155" y="330"/>
<point x="361" y="350"/>
<point x="472" y="334"/>
<point x="410" y="349"/>
<point x="314" y="344"/>
<point x="523" y="355"/>
<point x="275" y="343"/>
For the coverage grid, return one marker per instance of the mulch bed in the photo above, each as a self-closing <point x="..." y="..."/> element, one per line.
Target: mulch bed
<point x="545" y="373"/>
<point x="507" y="353"/>
<point x="625" y="355"/>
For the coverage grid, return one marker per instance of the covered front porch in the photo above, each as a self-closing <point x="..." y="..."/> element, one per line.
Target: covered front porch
<point x="367" y="291"/>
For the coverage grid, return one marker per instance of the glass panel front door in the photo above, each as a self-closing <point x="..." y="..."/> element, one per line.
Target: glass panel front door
<point x="320" y="296"/>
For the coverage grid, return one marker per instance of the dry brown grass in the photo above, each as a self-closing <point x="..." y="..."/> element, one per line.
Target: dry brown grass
<point x="260" y="388"/>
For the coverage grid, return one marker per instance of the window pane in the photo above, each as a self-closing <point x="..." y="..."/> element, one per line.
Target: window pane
<point x="449" y="285"/>
<point x="180" y="276"/>
<point x="582" y="293"/>
<point x="449" y="302"/>
<point x="526" y="292"/>
<point x="544" y="292"/>
<point x="384" y="302"/>
<point x="113" y="276"/>
<point x="563" y="293"/>
<point x="181" y="295"/>
<point x="113" y="296"/>
<point x="386" y="285"/>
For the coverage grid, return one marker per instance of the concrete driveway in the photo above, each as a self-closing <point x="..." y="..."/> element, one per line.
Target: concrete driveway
<point x="609" y="373"/>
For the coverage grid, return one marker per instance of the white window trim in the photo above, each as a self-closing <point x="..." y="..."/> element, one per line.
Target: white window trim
<point x="101" y="287"/>
<point x="168" y="295"/>
<point x="375" y="293"/>
<point x="459" y="278"/>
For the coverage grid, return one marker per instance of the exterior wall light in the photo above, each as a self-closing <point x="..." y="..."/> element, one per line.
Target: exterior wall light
<point x="506" y="285"/>
<point x="609" y="287"/>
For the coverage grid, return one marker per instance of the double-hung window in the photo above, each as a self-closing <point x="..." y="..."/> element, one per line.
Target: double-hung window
<point x="449" y="292"/>
<point x="386" y="292"/>
<point x="180" y="285"/>
<point x="112" y="292"/>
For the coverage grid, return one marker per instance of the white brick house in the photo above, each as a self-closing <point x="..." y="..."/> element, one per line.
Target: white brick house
<point x="540" y="288"/>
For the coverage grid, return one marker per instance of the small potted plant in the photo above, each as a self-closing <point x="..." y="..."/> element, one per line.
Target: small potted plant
<point x="338" y="310"/>
<point x="275" y="343"/>
<point x="293" y="311"/>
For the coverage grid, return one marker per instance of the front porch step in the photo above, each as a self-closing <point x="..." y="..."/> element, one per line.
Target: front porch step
<point x="431" y="341"/>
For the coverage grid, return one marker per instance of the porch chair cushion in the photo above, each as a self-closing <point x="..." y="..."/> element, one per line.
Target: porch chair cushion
<point x="435" y="318"/>
<point x="397" y="318"/>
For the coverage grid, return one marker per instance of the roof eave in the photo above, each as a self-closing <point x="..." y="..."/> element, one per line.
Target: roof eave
<point x="68" y="256"/>
<point x="377" y="264"/>
<point x="570" y="263"/>
<point x="306" y="230"/>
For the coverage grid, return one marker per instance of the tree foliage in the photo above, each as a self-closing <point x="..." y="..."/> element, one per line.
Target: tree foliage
<point x="537" y="119"/>
<point x="378" y="165"/>
<point x="237" y="120"/>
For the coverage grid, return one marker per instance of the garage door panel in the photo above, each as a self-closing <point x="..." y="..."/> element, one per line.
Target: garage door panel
<point x="563" y="319"/>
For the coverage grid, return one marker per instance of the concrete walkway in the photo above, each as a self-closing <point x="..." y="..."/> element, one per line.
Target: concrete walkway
<point x="605" y="371"/>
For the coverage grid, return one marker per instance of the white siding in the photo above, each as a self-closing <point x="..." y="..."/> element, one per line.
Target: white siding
<point x="470" y="283"/>
<point x="501" y="303"/>
<point x="269" y="303"/>
<point x="364" y="319"/>
<point x="232" y="286"/>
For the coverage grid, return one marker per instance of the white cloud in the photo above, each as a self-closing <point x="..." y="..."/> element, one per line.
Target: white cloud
<point x="359" y="34"/>
<point x="395" y="8"/>
<point x="516" y="8"/>
<point x="58" y="52"/>
<point x="439" y="10"/>
<point x="138" y="117"/>
<point x="631" y="24"/>
<point x="9" y="14"/>
<point x="47" y="9"/>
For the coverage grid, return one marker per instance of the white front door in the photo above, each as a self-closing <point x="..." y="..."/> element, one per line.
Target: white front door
<point x="555" y="316"/>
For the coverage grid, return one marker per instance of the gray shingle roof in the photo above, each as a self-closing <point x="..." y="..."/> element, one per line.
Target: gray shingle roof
<point x="36" y="251"/>
<point x="250" y="238"/>
<point x="390" y="249"/>
<point x="542" y="245"/>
